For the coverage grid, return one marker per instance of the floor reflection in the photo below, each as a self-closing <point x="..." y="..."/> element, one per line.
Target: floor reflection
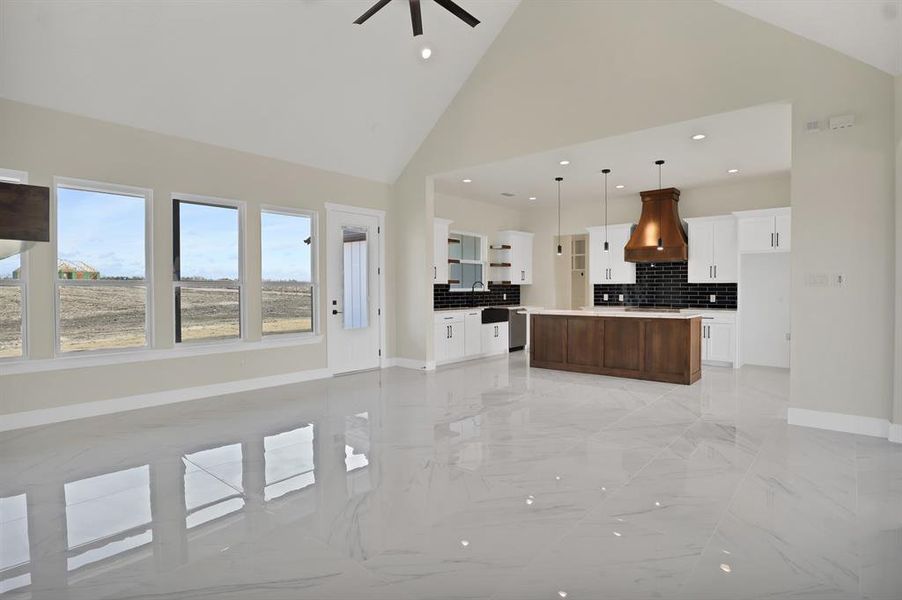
<point x="172" y="510"/>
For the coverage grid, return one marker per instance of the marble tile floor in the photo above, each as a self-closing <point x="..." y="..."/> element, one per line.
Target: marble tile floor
<point x="482" y="480"/>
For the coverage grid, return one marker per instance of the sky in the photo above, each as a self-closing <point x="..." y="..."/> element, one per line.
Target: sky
<point x="106" y="231"/>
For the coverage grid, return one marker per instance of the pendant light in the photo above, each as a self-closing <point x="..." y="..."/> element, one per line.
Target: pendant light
<point x="606" y="245"/>
<point x="560" y="249"/>
<point x="660" y="163"/>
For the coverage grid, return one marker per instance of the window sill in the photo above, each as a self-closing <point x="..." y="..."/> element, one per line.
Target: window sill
<point x="21" y="366"/>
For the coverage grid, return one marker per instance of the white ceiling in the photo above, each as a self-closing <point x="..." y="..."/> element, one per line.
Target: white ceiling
<point x="756" y="141"/>
<point x="294" y="80"/>
<point x="869" y="30"/>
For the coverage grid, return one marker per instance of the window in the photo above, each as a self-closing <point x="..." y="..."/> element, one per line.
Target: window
<point x="15" y="554"/>
<point x="207" y="272"/>
<point x="103" y="266"/>
<point x="213" y="484"/>
<point x="465" y="267"/>
<point x="12" y="292"/>
<point x="289" y="462"/>
<point x="287" y="256"/>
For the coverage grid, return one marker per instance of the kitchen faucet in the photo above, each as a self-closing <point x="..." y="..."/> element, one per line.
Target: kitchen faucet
<point x="473" y="292"/>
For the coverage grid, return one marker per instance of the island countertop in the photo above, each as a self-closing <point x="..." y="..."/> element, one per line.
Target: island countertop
<point x="638" y="314"/>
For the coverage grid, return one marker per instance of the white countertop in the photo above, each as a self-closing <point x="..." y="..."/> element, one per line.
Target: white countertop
<point x="619" y="312"/>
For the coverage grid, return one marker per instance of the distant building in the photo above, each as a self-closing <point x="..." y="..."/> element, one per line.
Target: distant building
<point x="76" y="269"/>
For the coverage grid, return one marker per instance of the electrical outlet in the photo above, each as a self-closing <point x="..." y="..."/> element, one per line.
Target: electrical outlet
<point x="504" y="296"/>
<point x="620" y="298"/>
<point x="712" y="299"/>
<point x="604" y="297"/>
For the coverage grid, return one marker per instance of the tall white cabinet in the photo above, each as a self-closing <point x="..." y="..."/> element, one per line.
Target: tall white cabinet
<point x="440" y="250"/>
<point x="713" y="256"/>
<point x="610" y="267"/>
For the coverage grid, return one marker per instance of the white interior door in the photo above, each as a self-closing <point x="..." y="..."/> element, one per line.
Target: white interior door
<point x="353" y="290"/>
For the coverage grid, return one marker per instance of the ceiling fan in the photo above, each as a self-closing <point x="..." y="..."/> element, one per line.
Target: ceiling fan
<point x="416" y="17"/>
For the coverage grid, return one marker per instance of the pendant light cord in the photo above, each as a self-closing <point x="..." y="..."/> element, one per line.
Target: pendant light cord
<point x="559" y="180"/>
<point x="606" y="171"/>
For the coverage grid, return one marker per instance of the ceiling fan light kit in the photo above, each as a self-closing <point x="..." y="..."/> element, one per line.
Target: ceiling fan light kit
<point x="416" y="16"/>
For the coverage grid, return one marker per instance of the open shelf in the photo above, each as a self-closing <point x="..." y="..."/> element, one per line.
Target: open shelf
<point x="453" y="241"/>
<point x="499" y="283"/>
<point x="500" y="247"/>
<point x="501" y="264"/>
<point x="453" y="261"/>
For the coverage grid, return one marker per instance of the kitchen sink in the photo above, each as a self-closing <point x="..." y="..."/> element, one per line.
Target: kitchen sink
<point x="495" y="315"/>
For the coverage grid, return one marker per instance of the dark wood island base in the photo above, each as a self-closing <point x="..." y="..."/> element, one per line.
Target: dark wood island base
<point x="667" y="349"/>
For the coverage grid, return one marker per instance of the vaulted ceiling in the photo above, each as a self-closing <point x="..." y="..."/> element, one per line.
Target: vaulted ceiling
<point x="294" y="80"/>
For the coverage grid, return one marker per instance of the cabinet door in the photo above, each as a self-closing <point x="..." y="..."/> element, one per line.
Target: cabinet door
<point x="524" y="260"/>
<point x="457" y="340"/>
<point x="701" y="251"/>
<point x="440" y="342"/>
<point x="720" y="342"/>
<point x="783" y="229"/>
<point x="620" y="270"/>
<point x="440" y="252"/>
<point x="473" y="334"/>
<point x="598" y="259"/>
<point x="756" y="234"/>
<point x="726" y="253"/>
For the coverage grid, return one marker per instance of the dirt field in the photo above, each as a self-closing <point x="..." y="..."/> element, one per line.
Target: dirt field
<point x="113" y="317"/>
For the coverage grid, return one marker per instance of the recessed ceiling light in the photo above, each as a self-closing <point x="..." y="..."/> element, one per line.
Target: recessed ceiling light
<point x="564" y="163"/>
<point x="467" y="180"/>
<point x="620" y="187"/>
<point x="732" y="171"/>
<point x="532" y="197"/>
<point x="426" y="53"/>
<point x="726" y="568"/>
<point x="699" y="136"/>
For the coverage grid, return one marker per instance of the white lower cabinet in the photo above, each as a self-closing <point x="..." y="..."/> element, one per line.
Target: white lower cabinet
<point x="459" y="335"/>
<point x="495" y="338"/>
<point x="719" y="338"/>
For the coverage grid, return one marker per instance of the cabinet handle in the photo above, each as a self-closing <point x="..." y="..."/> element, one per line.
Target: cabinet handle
<point x="771" y="240"/>
<point x="778" y="239"/>
<point x="434" y="272"/>
<point x="522" y="275"/>
<point x="709" y="272"/>
<point x="715" y="271"/>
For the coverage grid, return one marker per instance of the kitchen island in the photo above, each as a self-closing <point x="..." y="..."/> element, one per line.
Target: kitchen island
<point x="650" y="345"/>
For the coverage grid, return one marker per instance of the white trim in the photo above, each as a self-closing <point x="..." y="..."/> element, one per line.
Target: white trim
<point x="46" y="416"/>
<point x="80" y="360"/>
<point x="406" y="363"/>
<point x="871" y="426"/>
<point x="895" y="433"/>
<point x="116" y="189"/>
<point x="14" y="176"/>
<point x="357" y="210"/>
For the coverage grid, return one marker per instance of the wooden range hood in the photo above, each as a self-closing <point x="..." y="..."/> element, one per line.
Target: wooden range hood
<point x="660" y="222"/>
<point x="24" y="217"/>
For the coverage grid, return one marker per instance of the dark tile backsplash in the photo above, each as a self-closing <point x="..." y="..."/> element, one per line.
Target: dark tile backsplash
<point x="442" y="297"/>
<point x="666" y="284"/>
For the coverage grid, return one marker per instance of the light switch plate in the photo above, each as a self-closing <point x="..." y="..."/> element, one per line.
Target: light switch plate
<point x="504" y="296"/>
<point x="620" y="298"/>
<point x="712" y="299"/>
<point x="604" y="297"/>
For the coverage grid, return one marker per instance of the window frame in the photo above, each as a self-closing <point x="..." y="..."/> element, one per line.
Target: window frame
<point x="14" y="176"/>
<point x="242" y="269"/>
<point x="483" y="252"/>
<point x="120" y="190"/>
<point x="314" y="271"/>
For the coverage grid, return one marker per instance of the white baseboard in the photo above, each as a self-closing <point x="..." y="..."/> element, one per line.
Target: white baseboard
<point x="406" y="363"/>
<point x="46" y="416"/>
<point x="895" y="433"/>
<point x="871" y="426"/>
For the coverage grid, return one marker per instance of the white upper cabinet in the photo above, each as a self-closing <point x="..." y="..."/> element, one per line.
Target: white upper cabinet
<point x="713" y="255"/>
<point x="610" y="267"/>
<point x="513" y="250"/>
<point x="440" y="251"/>
<point x="762" y="231"/>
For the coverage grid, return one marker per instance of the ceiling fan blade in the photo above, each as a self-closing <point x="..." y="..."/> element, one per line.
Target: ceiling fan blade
<point x="458" y="12"/>
<point x="416" y="18"/>
<point x="373" y="10"/>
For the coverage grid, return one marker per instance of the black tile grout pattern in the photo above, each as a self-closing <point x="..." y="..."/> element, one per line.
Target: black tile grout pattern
<point x="442" y="297"/>
<point x="666" y="285"/>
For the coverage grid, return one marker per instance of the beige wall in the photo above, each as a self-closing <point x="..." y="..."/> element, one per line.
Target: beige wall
<point x="46" y="143"/>
<point x="476" y="216"/>
<point x="715" y="199"/>
<point x="625" y="66"/>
